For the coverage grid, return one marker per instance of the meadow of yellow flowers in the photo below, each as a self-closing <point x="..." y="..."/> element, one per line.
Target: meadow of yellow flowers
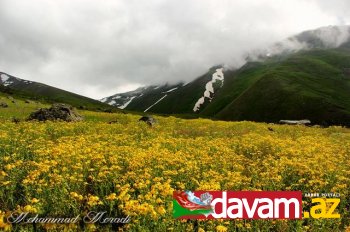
<point x="129" y="168"/>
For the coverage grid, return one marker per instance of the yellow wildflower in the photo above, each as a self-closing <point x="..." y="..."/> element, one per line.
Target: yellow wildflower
<point x="111" y="197"/>
<point x="221" y="228"/>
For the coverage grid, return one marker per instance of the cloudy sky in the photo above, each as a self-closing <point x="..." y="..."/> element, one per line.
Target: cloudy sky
<point x="98" y="48"/>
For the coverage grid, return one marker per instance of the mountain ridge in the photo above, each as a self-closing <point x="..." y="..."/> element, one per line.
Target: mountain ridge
<point x="311" y="81"/>
<point x="311" y="74"/>
<point x="38" y="91"/>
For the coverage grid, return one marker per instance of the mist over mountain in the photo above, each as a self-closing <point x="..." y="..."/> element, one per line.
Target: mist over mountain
<point x="321" y="38"/>
<point x="97" y="49"/>
<point x="303" y="76"/>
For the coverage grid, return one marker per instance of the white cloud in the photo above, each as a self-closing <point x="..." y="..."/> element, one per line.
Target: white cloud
<point x="97" y="47"/>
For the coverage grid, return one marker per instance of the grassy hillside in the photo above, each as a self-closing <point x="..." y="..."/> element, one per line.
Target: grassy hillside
<point x="308" y="84"/>
<point x="236" y="82"/>
<point x="45" y="93"/>
<point x="128" y="168"/>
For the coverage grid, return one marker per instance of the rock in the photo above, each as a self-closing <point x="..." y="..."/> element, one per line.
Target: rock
<point x="27" y="101"/>
<point x="16" y="120"/>
<point x="3" y="105"/>
<point x="346" y="72"/>
<point x="13" y="101"/>
<point x="295" y="122"/>
<point x="56" y="112"/>
<point x="148" y="119"/>
<point x="10" y="98"/>
<point x="270" y="129"/>
<point x="108" y="110"/>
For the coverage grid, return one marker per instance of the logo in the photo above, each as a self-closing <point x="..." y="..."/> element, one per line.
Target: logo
<point x="323" y="205"/>
<point x="238" y="205"/>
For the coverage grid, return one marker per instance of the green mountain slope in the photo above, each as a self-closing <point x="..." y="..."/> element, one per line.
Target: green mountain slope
<point x="25" y="89"/>
<point x="309" y="84"/>
<point x="184" y="98"/>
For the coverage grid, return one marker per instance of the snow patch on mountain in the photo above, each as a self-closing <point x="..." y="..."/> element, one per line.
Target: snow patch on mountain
<point x="27" y="82"/>
<point x="184" y="84"/>
<point x="209" y="89"/>
<point x="198" y="104"/>
<point x="156" y="103"/>
<point x="112" y="102"/>
<point x="171" y="90"/>
<point x="4" y="77"/>
<point x="104" y="99"/>
<point x="5" y="80"/>
<point x="127" y="103"/>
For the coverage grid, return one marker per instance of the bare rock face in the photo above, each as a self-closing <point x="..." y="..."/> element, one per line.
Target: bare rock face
<point x="148" y="119"/>
<point x="62" y="112"/>
<point x="295" y="122"/>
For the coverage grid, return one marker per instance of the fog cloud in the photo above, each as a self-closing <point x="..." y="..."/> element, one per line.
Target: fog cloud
<point x="97" y="48"/>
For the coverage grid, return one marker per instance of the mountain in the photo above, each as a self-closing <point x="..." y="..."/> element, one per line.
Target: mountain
<point x="141" y="99"/>
<point x="306" y="76"/>
<point x="309" y="84"/>
<point x="37" y="91"/>
<point x="179" y="98"/>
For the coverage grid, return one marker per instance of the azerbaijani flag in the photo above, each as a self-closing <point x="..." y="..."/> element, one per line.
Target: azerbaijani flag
<point x="185" y="203"/>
